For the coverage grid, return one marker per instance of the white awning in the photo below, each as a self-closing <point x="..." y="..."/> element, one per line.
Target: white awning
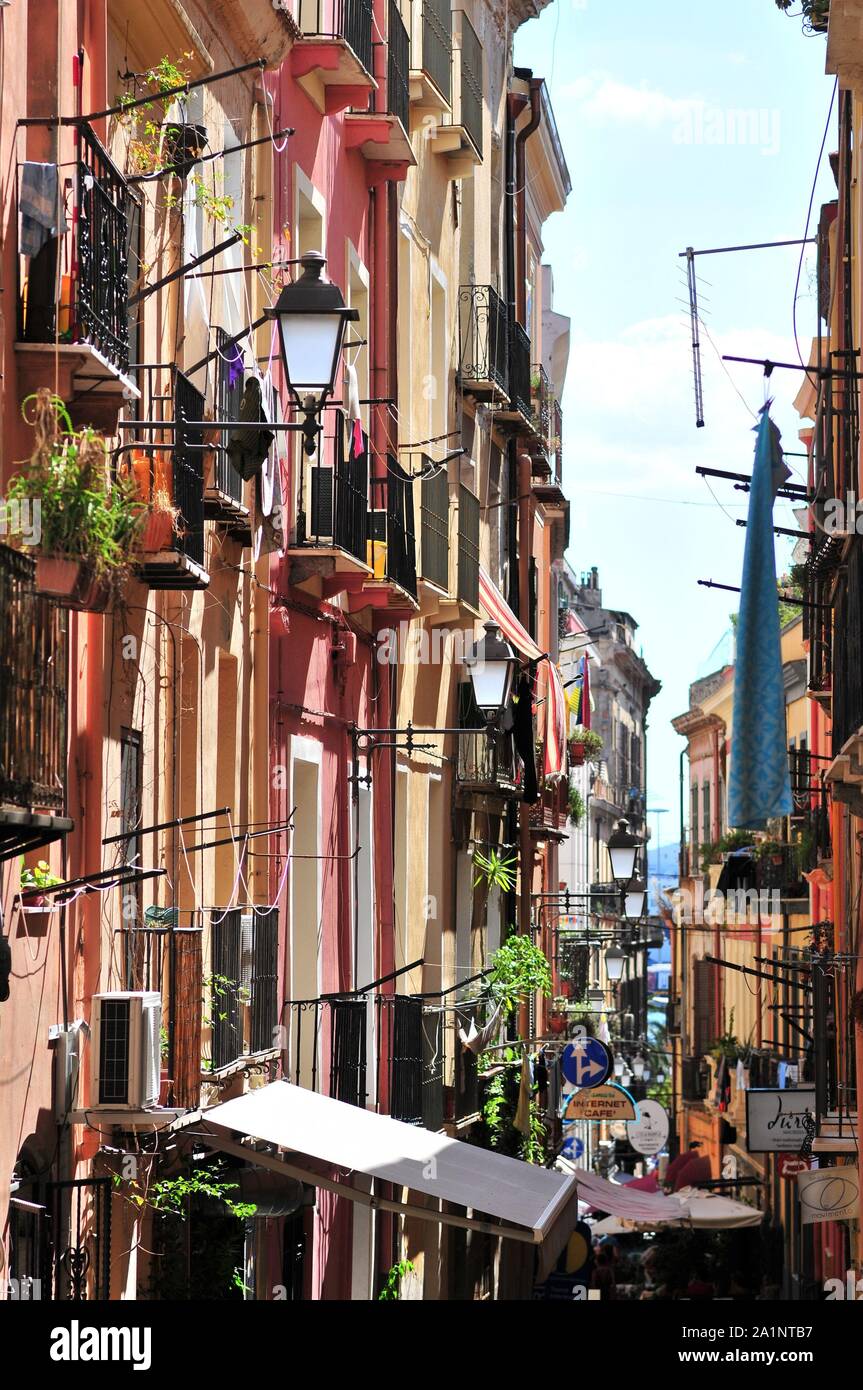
<point x="536" y="1201"/>
<point x="647" y="1211"/>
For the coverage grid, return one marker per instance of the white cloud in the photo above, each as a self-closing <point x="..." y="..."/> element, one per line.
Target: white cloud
<point x="602" y="99"/>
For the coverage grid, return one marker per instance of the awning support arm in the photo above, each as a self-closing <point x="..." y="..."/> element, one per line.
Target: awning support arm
<point x="220" y="1141"/>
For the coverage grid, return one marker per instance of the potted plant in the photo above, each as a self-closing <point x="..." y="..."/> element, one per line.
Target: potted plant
<point x="557" y="1019"/>
<point x="183" y="141"/>
<point x="34" y="902"/>
<point x="584" y="746"/>
<point x="89" y="520"/>
<point x="576" y="807"/>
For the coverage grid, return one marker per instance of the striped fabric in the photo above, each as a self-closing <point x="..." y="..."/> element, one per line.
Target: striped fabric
<point x="496" y="607"/>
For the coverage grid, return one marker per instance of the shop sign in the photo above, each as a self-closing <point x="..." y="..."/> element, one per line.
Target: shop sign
<point x="776" y="1121"/>
<point x="602" y="1104"/>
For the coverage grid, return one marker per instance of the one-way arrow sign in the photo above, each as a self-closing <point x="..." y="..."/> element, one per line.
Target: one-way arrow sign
<point x="586" y="1063"/>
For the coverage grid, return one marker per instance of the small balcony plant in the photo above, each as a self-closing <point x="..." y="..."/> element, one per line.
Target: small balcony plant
<point x="584" y="746"/>
<point x="87" y="519"/>
<point x="816" y="13"/>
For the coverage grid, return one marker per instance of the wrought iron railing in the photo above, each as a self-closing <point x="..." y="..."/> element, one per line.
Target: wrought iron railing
<point x="465" y="1095"/>
<point x="484" y="763"/>
<point x="102" y="285"/>
<point x="398" y="66"/>
<point x="519" y="369"/>
<point x="346" y="1022"/>
<point x="339" y="513"/>
<point x="350" y="20"/>
<point x="484" y="338"/>
<point x="468" y="547"/>
<point x="33" y="689"/>
<point x="243" y="983"/>
<point x="77" y="1253"/>
<point x="401" y="565"/>
<point x="415" y="1067"/>
<point x="471" y="83"/>
<point x="540" y="399"/>
<point x="437" y="44"/>
<point x="189" y="470"/>
<point x="434" y="526"/>
<point x="557" y="440"/>
<point x="847" y="706"/>
<point x="229" y="393"/>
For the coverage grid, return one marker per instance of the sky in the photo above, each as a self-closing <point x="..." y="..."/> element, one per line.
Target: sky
<point x="683" y="124"/>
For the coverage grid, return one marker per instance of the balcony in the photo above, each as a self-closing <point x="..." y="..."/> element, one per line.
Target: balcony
<point x="460" y="141"/>
<point x="520" y="411"/>
<point x="431" y="50"/>
<point x="392" y="542"/>
<point x="331" y="542"/>
<point x="413" y="1035"/>
<point x="384" y="136"/>
<point x="243" y="1006"/>
<point x="161" y="954"/>
<point x="33" y="710"/>
<point x="80" y="339"/>
<point x="468" y="548"/>
<point x="464" y="1103"/>
<point x="334" y="60"/>
<point x="487" y="767"/>
<point x="483" y="370"/>
<point x="549" y="817"/>
<point x="172" y="485"/>
<point x="694" y="1079"/>
<point x="225" y="492"/>
<point x="434" y="527"/>
<point x="330" y="1034"/>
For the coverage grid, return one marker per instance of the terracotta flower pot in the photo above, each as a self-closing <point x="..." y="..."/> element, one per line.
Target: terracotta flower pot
<point x="557" y="1023"/>
<point x="71" y="584"/>
<point x="576" y="753"/>
<point x="158" y="532"/>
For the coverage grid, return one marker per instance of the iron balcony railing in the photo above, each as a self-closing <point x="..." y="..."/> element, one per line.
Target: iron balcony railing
<point x="484" y="340"/>
<point x="350" y="20"/>
<point x="434" y="526"/>
<point x="330" y="1032"/>
<point x="557" y="440"/>
<point x="188" y="461"/>
<point x="468" y="547"/>
<point x="471" y="87"/>
<point x="398" y="67"/>
<point x="396" y="518"/>
<point x="519" y="370"/>
<point x="465" y="1094"/>
<point x="437" y="45"/>
<point x="484" y="764"/>
<point x="229" y="393"/>
<point x="847" y="706"/>
<point x="339" y="514"/>
<point x="540" y="399"/>
<point x="93" y="304"/>
<point x="415" y="1059"/>
<point x="164" y="954"/>
<point x="695" y="1079"/>
<point x="243" y="1003"/>
<point x="33" y="689"/>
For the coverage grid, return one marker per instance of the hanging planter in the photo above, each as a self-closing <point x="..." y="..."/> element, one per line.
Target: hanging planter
<point x="577" y="753"/>
<point x="71" y="584"/>
<point x="183" y="141"/>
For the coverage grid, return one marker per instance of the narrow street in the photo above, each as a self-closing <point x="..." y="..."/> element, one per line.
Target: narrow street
<point x="431" y="669"/>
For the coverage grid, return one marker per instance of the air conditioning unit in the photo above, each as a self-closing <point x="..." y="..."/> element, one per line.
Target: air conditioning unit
<point x="125" y="1050"/>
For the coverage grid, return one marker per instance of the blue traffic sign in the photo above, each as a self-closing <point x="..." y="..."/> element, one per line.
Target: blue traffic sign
<point x="586" y="1062"/>
<point x="573" y="1147"/>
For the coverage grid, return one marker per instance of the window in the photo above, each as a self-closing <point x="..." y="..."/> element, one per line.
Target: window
<point x="130" y="819"/>
<point x="706" y="822"/>
<point x="693" y="814"/>
<point x="244" y="1008"/>
<point x="705" y="1027"/>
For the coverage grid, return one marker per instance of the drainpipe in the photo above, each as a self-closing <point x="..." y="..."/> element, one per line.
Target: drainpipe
<point x="536" y="85"/>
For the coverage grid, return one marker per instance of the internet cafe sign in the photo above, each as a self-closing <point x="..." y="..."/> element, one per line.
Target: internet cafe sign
<point x="776" y="1121"/>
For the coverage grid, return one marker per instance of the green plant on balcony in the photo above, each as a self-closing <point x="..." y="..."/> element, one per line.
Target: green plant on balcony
<point x="495" y="870"/>
<point x="516" y="969"/>
<point x="89" y="519"/>
<point x="769" y="850"/>
<point x="734" y="840"/>
<point x="38" y="878"/>
<point x="392" y="1285"/>
<point x="591" y="742"/>
<point x="816" y="13"/>
<point x="576" y="806"/>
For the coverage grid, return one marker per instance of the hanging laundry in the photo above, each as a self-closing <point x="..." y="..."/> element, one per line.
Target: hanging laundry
<point x="759" y="785"/>
<point x="42" y="215"/>
<point x="248" y="448"/>
<point x="354" y="414"/>
<point x="523" y="737"/>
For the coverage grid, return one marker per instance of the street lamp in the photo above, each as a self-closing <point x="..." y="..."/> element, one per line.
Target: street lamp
<point x="492" y="669"/>
<point x="623" y="847"/>
<point x="614" y="962"/>
<point x="619" y="1065"/>
<point x="660" y="1077"/>
<point x="312" y="318"/>
<point x="638" y="1066"/>
<point x="626" y="1078"/>
<point x="634" y="899"/>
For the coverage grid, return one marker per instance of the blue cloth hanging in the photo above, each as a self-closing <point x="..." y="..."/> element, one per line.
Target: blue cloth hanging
<point x="759" y="785"/>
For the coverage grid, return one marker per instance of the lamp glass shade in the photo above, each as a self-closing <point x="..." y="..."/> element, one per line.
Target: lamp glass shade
<point x="638" y="1067"/>
<point x="310" y="349"/>
<point x="491" y="669"/>
<point x="646" y="1074"/>
<point x="626" y="1078"/>
<point x="634" y="899"/>
<point x="623" y="847"/>
<point x="660" y="1077"/>
<point x="614" y="962"/>
<point x="619" y="1065"/>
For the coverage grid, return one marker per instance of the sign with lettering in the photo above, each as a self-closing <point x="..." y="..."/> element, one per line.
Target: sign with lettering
<point x="649" y="1133"/>
<point x="789" y="1165"/>
<point x="776" y="1121"/>
<point x="602" y="1103"/>
<point x="829" y="1194"/>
